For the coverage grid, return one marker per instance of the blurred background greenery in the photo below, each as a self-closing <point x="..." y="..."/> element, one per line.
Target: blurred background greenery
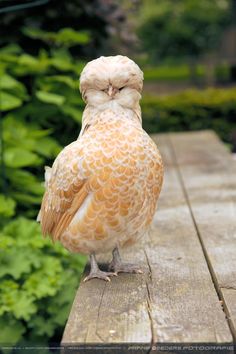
<point x="187" y="50"/>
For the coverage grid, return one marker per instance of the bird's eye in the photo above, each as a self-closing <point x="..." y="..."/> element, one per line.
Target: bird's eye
<point x="121" y="88"/>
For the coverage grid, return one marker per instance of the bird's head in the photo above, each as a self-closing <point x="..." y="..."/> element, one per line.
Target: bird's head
<point x="114" y="78"/>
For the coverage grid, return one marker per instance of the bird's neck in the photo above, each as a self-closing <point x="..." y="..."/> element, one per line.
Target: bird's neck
<point x="110" y="112"/>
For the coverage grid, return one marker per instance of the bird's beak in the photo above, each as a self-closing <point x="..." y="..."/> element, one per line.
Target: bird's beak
<point x="111" y="91"/>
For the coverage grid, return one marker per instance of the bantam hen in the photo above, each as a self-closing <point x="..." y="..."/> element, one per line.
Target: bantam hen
<point x="102" y="190"/>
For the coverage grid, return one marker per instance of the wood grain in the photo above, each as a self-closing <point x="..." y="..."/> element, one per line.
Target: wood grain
<point x="208" y="174"/>
<point x="186" y="306"/>
<point x="174" y="301"/>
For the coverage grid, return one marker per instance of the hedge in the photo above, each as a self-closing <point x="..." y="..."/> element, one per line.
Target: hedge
<point x="41" y="112"/>
<point x="211" y="108"/>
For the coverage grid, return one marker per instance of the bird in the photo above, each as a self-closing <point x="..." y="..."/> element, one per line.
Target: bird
<point x="101" y="192"/>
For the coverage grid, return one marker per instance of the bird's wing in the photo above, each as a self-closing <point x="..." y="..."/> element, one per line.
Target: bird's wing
<point x="86" y="119"/>
<point x="47" y="175"/>
<point x="137" y="111"/>
<point x="66" y="189"/>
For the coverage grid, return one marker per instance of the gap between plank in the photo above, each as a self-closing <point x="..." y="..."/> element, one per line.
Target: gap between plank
<point x="149" y="303"/>
<point x="98" y="315"/>
<point x="209" y="265"/>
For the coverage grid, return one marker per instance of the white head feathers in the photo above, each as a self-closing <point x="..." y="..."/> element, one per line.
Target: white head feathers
<point x="119" y="72"/>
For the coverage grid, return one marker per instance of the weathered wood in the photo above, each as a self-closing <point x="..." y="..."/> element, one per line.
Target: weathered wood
<point x="186" y="306"/>
<point x="208" y="174"/>
<point x="173" y="302"/>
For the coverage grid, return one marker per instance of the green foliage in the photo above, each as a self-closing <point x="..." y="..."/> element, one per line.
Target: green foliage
<point x="7" y="206"/>
<point x="66" y="37"/>
<point x="170" y="28"/>
<point x="40" y="96"/>
<point x="181" y="72"/>
<point x="73" y="23"/>
<point x="42" y="111"/>
<point x="171" y="72"/>
<point x="11" y="333"/>
<point x="192" y="110"/>
<point x="37" y="282"/>
<point x="48" y="97"/>
<point x="9" y="101"/>
<point x="26" y="148"/>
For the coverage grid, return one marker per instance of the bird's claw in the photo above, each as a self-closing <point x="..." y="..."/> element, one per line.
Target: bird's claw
<point x="99" y="274"/>
<point x="124" y="268"/>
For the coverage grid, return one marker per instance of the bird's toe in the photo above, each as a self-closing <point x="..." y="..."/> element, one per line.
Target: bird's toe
<point x="99" y="274"/>
<point x="125" y="268"/>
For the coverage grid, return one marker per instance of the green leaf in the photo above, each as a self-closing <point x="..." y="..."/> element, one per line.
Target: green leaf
<point x="15" y="263"/>
<point x="22" y="228"/>
<point x="36" y="133"/>
<point x="6" y="242"/>
<point x="23" y="307"/>
<point x="25" y="181"/>
<point x="49" y="97"/>
<point x="15" y="300"/>
<point x="13" y="86"/>
<point x="28" y="64"/>
<point x="70" y="37"/>
<point x="79" y="67"/>
<point x="49" y="272"/>
<point x="7" y="206"/>
<point x="15" y="133"/>
<point x="15" y="126"/>
<point x="42" y="327"/>
<point x="67" y="37"/>
<point x="18" y="157"/>
<point x="12" y="48"/>
<point x="25" y="234"/>
<point x="73" y="112"/>
<point x="48" y="147"/>
<point x="62" y="64"/>
<point x="8" y="82"/>
<point x="11" y="330"/>
<point x="36" y="33"/>
<point x="67" y="80"/>
<point x="28" y="60"/>
<point x="9" y="101"/>
<point x="26" y="198"/>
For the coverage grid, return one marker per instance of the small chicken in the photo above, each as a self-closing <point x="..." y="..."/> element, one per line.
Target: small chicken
<point x="102" y="190"/>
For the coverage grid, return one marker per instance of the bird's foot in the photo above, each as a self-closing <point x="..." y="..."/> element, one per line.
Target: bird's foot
<point x="120" y="267"/>
<point x="100" y="275"/>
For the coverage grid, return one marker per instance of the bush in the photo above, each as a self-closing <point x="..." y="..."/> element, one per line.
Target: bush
<point x="172" y="73"/>
<point x="42" y="111"/>
<point x="37" y="284"/>
<point x="179" y="29"/>
<point x="39" y="98"/>
<point x="175" y="72"/>
<point x="192" y="110"/>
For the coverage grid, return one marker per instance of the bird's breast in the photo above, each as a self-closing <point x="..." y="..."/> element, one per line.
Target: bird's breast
<point x="123" y="172"/>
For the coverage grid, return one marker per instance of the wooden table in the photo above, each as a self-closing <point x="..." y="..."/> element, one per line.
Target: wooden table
<point x="187" y="297"/>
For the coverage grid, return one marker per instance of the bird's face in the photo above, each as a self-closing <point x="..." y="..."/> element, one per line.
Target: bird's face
<point x="117" y="79"/>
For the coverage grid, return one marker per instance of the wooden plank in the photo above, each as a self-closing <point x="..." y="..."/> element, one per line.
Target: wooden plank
<point x="113" y="313"/>
<point x="186" y="306"/>
<point x="208" y="173"/>
<point x="173" y="302"/>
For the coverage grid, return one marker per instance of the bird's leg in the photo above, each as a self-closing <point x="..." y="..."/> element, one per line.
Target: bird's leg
<point x="95" y="272"/>
<point x="119" y="267"/>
